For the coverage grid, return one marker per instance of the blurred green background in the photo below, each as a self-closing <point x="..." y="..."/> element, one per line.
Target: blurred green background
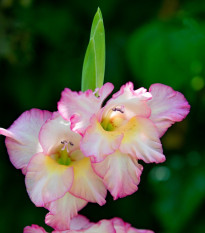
<point x="42" y="46"/>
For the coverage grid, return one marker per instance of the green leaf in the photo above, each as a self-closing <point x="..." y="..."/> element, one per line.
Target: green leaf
<point x="94" y="61"/>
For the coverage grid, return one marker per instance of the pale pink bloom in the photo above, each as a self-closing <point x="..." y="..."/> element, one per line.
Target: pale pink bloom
<point x="58" y="176"/>
<point x="34" y="229"/>
<point x="127" y="128"/>
<point x="81" y="224"/>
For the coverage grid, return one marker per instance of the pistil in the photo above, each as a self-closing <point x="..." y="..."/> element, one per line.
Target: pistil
<point x="64" y="158"/>
<point x="63" y="155"/>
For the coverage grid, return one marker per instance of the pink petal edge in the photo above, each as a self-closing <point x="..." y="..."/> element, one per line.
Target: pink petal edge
<point x="78" y="107"/>
<point x="22" y="137"/>
<point x="120" y="173"/>
<point x="167" y="106"/>
<point x="63" y="212"/>
<point x="98" y="143"/>
<point x="46" y="180"/>
<point x="34" y="229"/>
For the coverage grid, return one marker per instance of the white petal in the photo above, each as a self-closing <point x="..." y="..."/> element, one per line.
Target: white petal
<point x="103" y="226"/>
<point x="120" y="173"/>
<point x="80" y="222"/>
<point x="78" y="107"/>
<point x="22" y="137"/>
<point x="86" y="183"/>
<point x="98" y="143"/>
<point x="134" y="102"/>
<point x="141" y="140"/>
<point x="63" y="210"/>
<point x="56" y="131"/>
<point x="46" y="180"/>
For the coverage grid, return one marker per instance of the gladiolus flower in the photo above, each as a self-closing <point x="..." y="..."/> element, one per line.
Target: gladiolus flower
<point x="126" y="129"/>
<point x="58" y="176"/>
<point x="34" y="229"/>
<point x="80" y="224"/>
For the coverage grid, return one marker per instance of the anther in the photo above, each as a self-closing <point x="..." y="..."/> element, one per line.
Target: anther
<point x="71" y="143"/>
<point x="120" y="109"/>
<point x="64" y="142"/>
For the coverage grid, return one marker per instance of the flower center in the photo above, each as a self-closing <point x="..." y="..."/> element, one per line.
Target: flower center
<point x="63" y="156"/>
<point x="114" y="118"/>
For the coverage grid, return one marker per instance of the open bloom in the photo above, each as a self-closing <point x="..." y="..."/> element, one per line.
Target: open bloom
<point x="127" y="128"/>
<point x="80" y="224"/>
<point x="58" y="176"/>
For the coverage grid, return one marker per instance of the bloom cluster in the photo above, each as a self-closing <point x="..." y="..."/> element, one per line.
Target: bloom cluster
<point x="73" y="156"/>
<point x="81" y="224"/>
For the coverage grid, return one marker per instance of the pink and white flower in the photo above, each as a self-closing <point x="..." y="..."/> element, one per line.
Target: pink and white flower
<point x="81" y="224"/>
<point x="58" y="176"/>
<point x="34" y="229"/>
<point x="126" y="129"/>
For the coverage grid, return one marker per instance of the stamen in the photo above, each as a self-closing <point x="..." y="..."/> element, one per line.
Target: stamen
<point x="66" y="143"/>
<point x="71" y="143"/>
<point x="119" y="109"/>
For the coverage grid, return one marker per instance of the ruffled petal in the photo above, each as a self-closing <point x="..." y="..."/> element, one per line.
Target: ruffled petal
<point x="120" y="173"/>
<point x="78" y="107"/>
<point x="22" y="137"/>
<point x="133" y="102"/>
<point x="167" y="106"/>
<point x="80" y="222"/>
<point x="105" y="91"/>
<point x="46" y="180"/>
<point x="119" y="225"/>
<point x="134" y="230"/>
<point x="56" y="131"/>
<point x="63" y="210"/>
<point x="86" y="184"/>
<point x="141" y="140"/>
<point x="98" y="143"/>
<point x="103" y="226"/>
<point x="123" y="227"/>
<point x="34" y="229"/>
